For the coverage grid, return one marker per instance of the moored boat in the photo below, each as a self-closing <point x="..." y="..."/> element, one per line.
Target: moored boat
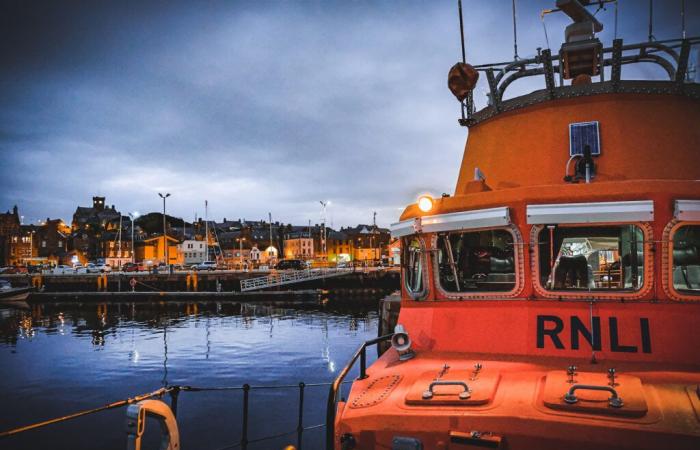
<point x="553" y="301"/>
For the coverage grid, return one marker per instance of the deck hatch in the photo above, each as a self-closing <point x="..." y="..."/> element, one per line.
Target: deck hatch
<point x="482" y="388"/>
<point x="600" y="212"/>
<point x="687" y="210"/>
<point x="582" y="134"/>
<point x="628" y="387"/>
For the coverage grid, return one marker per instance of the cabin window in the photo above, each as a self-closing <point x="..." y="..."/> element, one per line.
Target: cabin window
<point x="591" y="258"/>
<point x="686" y="259"/>
<point x="413" y="264"/>
<point x="476" y="261"/>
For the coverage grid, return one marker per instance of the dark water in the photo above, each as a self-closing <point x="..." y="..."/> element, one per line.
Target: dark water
<point x="58" y="359"/>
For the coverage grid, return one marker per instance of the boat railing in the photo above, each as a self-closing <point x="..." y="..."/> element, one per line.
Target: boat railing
<point x="174" y="391"/>
<point x="361" y="354"/>
<point x="671" y="55"/>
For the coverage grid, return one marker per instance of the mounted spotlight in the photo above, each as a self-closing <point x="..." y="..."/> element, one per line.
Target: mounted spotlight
<point x="402" y="343"/>
<point x="425" y="203"/>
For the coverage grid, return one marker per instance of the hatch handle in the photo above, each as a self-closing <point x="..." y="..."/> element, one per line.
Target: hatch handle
<point x="614" y="401"/>
<point x="465" y="394"/>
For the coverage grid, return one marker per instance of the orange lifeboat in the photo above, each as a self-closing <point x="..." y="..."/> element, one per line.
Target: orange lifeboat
<point x="554" y="300"/>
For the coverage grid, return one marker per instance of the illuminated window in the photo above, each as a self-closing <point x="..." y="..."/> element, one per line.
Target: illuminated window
<point x="686" y="259"/>
<point x="477" y="261"/>
<point x="413" y="264"/>
<point x="591" y="257"/>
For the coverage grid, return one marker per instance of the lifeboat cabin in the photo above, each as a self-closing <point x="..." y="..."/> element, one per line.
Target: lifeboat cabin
<point x="553" y="301"/>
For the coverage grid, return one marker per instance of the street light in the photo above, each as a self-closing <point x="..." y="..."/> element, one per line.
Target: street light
<point x="31" y="244"/>
<point x="165" y="239"/>
<point x="133" y="216"/>
<point x="240" y="249"/>
<point x="323" y="236"/>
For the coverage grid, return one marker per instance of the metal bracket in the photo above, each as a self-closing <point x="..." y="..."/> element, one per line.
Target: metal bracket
<point x="493" y="87"/>
<point x="682" y="66"/>
<point x="136" y="424"/>
<point x="548" y="71"/>
<point x="616" y="70"/>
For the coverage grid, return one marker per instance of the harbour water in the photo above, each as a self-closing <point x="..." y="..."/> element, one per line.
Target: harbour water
<point x="59" y="359"/>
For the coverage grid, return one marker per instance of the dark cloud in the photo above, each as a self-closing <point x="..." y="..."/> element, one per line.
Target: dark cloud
<point x="255" y="106"/>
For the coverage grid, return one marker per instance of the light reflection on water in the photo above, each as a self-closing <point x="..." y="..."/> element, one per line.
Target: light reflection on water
<point x="57" y="359"/>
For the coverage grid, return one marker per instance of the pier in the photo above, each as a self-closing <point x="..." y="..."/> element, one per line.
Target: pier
<point x="214" y="285"/>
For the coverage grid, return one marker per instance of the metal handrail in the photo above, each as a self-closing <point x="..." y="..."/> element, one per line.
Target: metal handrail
<point x="674" y="62"/>
<point x="295" y="276"/>
<point x="361" y="353"/>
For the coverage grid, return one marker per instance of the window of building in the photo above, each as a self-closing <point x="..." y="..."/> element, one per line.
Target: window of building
<point x="591" y="257"/>
<point x="413" y="265"/>
<point x="686" y="259"/>
<point x="476" y="261"/>
<point x="43" y="244"/>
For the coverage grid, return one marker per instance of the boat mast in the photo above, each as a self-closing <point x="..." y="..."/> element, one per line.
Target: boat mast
<point x="206" y="230"/>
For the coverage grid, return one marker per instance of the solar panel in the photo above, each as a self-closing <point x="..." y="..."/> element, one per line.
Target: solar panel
<point x="582" y="134"/>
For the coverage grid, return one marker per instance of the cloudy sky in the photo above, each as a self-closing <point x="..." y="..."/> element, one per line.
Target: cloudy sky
<point x="255" y="106"/>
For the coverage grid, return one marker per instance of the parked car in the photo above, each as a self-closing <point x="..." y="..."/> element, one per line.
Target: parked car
<point x="91" y="268"/>
<point x="103" y="268"/>
<point x="294" y="264"/>
<point x="206" y="265"/>
<point x="15" y="269"/>
<point x="62" y="270"/>
<point x="5" y="285"/>
<point x="79" y="268"/>
<point x="131" y="267"/>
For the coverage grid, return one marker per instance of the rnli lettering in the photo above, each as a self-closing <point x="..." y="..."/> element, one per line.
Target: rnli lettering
<point x="550" y="327"/>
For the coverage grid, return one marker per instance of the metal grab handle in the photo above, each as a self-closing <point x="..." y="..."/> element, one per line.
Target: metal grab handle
<point x="465" y="394"/>
<point x="615" y="400"/>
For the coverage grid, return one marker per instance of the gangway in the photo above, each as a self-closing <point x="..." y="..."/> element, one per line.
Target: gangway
<point x="291" y="277"/>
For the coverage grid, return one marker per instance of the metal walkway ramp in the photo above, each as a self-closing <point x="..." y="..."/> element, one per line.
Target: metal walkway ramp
<point x="290" y="277"/>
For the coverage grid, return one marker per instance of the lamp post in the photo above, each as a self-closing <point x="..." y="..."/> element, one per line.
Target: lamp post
<point x="133" y="216"/>
<point x="31" y="244"/>
<point x="323" y="230"/>
<point x="165" y="239"/>
<point x="240" y="249"/>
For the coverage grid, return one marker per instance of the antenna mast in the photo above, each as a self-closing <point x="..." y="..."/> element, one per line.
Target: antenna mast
<point x="515" y="34"/>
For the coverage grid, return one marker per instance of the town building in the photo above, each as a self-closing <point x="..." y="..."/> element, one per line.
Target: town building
<point x="152" y="250"/>
<point x="9" y="235"/>
<point x="116" y="248"/>
<point x="89" y="226"/>
<point x="299" y="245"/>
<point x="52" y="241"/>
<point x="192" y="252"/>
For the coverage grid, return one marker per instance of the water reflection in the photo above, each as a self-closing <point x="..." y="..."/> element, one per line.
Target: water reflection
<point x="59" y="358"/>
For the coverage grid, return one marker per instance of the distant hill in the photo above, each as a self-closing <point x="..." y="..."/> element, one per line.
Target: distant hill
<point x="153" y="222"/>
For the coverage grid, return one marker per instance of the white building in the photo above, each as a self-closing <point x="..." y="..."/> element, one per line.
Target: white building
<point x="193" y="252"/>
